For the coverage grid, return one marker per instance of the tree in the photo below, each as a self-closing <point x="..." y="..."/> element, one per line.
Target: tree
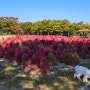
<point x="64" y="26"/>
<point x="87" y="25"/>
<point x="27" y="27"/>
<point x="56" y="27"/>
<point x="47" y="27"/>
<point x="16" y="29"/>
<point x="6" y="23"/>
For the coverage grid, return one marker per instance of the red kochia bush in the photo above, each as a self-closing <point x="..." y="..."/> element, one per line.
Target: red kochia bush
<point x="1" y="51"/>
<point x="36" y="51"/>
<point x="18" y="56"/>
<point x="44" y="65"/>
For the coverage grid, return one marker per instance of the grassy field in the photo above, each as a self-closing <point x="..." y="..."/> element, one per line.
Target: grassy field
<point x="13" y="80"/>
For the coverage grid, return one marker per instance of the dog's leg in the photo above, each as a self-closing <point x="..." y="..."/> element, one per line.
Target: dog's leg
<point x="85" y="78"/>
<point x="78" y="76"/>
<point x="75" y="75"/>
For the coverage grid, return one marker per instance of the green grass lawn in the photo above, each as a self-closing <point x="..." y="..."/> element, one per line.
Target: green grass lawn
<point x="62" y="81"/>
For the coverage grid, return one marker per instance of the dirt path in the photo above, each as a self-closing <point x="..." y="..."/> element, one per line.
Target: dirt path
<point x="5" y="36"/>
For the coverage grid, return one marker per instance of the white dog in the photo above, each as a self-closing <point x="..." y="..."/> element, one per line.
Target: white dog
<point x="82" y="71"/>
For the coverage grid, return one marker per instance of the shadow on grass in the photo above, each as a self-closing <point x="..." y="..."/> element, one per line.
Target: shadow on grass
<point x="10" y="79"/>
<point x="64" y="82"/>
<point x="61" y="81"/>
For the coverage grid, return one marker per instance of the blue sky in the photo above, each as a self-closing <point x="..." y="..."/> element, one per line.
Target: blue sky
<point x="37" y="10"/>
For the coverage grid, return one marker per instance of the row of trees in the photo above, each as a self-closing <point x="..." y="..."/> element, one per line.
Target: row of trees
<point x="11" y="25"/>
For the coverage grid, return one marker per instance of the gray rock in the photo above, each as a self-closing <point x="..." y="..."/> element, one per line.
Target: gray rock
<point x="87" y="87"/>
<point x="83" y="61"/>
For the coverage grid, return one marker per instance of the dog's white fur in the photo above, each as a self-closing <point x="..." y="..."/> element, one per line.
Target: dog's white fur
<point x="82" y="71"/>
